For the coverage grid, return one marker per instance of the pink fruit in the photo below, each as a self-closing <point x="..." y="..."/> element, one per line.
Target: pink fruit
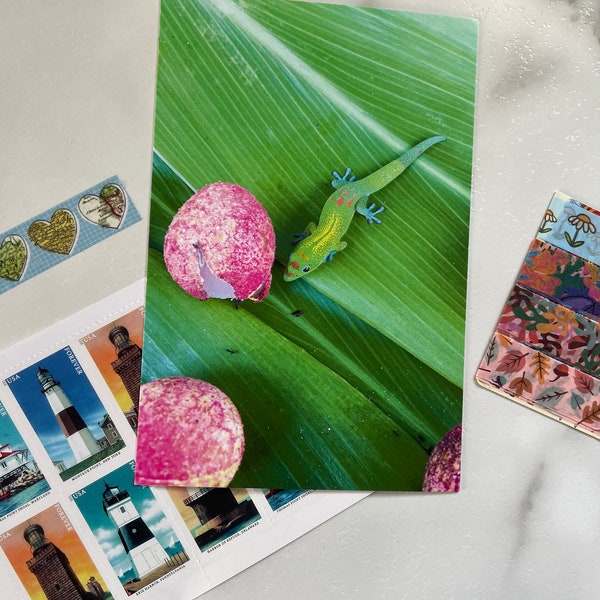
<point x="442" y="473"/>
<point x="190" y="434"/>
<point x="221" y="244"/>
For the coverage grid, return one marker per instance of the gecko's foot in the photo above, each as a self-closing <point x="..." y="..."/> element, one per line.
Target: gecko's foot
<point x="369" y="214"/>
<point x="297" y="238"/>
<point x="329" y="257"/>
<point x="339" y="180"/>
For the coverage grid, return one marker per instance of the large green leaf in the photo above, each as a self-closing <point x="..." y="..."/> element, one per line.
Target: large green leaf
<point x="272" y="96"/>
<point x="385" y="405"/>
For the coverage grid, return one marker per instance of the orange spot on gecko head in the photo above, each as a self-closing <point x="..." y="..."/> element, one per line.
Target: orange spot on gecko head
<point x="340" y="201"/>
<point x="292" y="271"/>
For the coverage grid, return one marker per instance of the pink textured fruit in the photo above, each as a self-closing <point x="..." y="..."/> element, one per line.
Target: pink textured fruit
<point x="190" y="434"/>
<point x="221" y="244"/>
<point x="442" y="473"/>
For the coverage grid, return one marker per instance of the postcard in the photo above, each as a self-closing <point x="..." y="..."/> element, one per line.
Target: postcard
<point x="344" y="359"/>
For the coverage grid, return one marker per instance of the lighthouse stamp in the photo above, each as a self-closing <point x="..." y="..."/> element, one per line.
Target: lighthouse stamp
<point x="65" y="412"/>
<point x="214" y="515"/>
<point x="132" y="530"/>
<point x="116" y="349"/>
<point x="48" y="557"/>
<point x="21" y="479"/>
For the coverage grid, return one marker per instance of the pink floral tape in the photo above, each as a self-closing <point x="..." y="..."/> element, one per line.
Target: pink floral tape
<point x="533" y="378"/>
<point x="552" y="328"/>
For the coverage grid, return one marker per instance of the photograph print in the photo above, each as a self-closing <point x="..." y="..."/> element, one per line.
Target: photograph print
<point x="345" y="361"/>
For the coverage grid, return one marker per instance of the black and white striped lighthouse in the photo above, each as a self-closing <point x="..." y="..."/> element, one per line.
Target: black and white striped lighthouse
<point x="139" y="542"/>
<point x="80" y="438"/>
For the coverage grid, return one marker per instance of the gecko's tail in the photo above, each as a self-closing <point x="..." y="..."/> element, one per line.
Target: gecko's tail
<point x="411" y="155"/>
<point x="380" y="178"/>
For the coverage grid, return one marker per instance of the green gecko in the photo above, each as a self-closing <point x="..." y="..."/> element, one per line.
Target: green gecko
<point x="320" y="242"/>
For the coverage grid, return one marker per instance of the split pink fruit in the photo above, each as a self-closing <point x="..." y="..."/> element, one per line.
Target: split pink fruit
<point x="442" y="473"/>
<point x="221" y="244"/>
<point x="190" y="434"/>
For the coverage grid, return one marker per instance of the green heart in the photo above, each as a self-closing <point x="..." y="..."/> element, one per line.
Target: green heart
<point x="13" y="257"/>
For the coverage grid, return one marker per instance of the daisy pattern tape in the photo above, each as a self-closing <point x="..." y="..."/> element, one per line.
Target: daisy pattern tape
<point x="545" y="350"/>
<point x="572" y="226"/>
<point x="65" y="230"/>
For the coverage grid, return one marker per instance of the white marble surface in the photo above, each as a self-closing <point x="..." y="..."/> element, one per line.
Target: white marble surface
<point x="74" y="106"/>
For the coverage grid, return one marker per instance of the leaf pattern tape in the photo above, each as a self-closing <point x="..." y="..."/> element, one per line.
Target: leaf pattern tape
<point x="545" y="351"/>
<point x="541" y="382"/>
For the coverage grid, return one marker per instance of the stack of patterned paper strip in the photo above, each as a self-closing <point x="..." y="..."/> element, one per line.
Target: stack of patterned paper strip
<point x="544" y="352"/>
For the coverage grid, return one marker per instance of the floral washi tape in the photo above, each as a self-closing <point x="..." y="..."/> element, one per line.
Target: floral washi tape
<point x="63" y="231"/>
<point x="545" y="351"/>
<point x="572" y="226"/>
<point x="558" y="274"/>
<point x="547" y="385"/>
<point x="552" y="328"/>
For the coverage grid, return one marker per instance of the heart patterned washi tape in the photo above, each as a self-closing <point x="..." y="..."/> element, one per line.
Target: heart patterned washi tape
<point x="107" y="209"/>
<point x="13" y="257"/>
<point x="57" y="235"/>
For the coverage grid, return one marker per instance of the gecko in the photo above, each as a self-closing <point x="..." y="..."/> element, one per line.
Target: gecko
<point x="320" y="242"/>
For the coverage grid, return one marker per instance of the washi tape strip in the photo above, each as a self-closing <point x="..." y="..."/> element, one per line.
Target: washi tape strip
<point x="567" y="279"/>
<point x="552" y="328"/>
<point x="547" y="385"/>
<point x="572" y="226"/>
<point x="63" y="231"/>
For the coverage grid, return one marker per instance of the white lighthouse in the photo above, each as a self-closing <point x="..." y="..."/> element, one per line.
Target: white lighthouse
<point x="80" y="438"/>
<point x="139" y="542"/>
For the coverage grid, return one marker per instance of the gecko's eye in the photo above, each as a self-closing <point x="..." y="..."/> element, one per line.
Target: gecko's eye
<point x="305" y="269"/>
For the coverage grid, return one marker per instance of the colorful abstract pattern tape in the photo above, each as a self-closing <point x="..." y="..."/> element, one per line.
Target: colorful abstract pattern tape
<point x="565" y="277"/>
<point x="545" y="351"/>
<point x="553" y="329"/>
<point x="63" y="231"/>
